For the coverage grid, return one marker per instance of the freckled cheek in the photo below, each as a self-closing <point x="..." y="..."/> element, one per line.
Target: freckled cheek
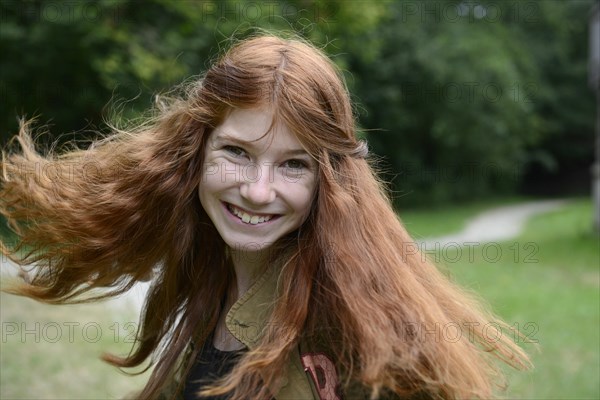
<point x="301" y="199"/>
<point x="218" y="173"/>
<point x="209" y="182"/>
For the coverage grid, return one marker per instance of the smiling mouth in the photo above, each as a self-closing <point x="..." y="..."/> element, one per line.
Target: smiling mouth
<point x="245" y="217"/>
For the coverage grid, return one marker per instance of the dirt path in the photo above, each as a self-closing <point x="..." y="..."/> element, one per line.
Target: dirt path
<point x="497" y="224"/>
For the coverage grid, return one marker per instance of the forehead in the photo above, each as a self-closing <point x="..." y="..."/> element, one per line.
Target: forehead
<point x="256" y="126"/>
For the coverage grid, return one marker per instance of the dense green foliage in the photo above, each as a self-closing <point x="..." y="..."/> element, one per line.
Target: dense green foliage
<point x="460" y="98"/>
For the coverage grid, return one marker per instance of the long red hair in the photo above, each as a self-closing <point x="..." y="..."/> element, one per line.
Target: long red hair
<point x="127" y="208"/>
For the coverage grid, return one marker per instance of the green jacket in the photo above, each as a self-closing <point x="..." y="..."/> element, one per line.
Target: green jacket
<point x="310" y="374"/>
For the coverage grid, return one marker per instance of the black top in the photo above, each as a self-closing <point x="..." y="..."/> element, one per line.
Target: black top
<point x="211" y="364"/>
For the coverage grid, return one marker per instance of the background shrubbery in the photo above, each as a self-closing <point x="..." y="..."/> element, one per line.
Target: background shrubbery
<point x="461" y="99"/>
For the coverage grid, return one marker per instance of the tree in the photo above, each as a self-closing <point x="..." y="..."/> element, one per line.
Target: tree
<point x="65" y="61"/>
<point x="463" y="93"/>
<point x="461" y="99"/>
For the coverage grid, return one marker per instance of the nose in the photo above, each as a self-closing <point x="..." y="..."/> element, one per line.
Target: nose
<point x="257" y="185"/>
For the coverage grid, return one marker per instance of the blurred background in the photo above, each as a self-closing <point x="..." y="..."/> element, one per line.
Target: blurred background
<point x="480" y="112"/>
<point x="465" y="99"/>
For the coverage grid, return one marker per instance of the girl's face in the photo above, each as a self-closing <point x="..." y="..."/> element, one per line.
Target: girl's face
<point x="256" y="188"/>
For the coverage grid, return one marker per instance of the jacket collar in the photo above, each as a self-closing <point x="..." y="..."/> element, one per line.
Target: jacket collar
<point x="247" y="321"/>
<point x="247" y="318"/>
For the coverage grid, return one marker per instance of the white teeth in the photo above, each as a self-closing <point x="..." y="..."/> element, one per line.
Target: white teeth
<point x="247" y="218"/>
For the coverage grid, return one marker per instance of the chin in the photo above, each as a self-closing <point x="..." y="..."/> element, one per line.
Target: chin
<point x="248" y="245"/>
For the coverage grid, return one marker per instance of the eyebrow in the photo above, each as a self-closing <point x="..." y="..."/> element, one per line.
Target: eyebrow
<point x="226" y="137"/>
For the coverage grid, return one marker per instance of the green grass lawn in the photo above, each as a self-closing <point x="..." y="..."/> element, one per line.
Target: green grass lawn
<point x="52" y="352"/>
<point x="546" y="282"/>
